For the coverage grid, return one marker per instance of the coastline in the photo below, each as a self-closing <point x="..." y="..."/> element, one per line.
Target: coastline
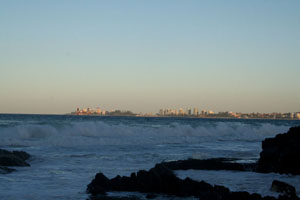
<point x="189" y="117"/>
<point x="74" y="149"/>
<point x="149" y="116"/>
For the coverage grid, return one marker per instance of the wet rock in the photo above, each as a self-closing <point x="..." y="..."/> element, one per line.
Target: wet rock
<point x="104" y="197"/>
<point x="5" y="170"/>
<point x="161" y="180"/>
<point x="14" y="158"/>
<point x="281" y="154"/>
<point x="21" y="154"/>
<point x="284" y="188"/>
<point x="151" y="196"/>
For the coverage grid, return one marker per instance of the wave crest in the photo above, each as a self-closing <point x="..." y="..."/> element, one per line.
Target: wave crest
<point x="100" y="133"/>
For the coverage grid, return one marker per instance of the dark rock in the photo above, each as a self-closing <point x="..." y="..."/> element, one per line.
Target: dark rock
<point x="151" y="196"/>
<point x="161" y="180"/>
<point x="99" y="185"/>
<point x="239" y="196"/>
<point x="21" y="154"/>
<point x="255" y="196"/>
<point x="15" y="158"/>
<point x="104" y="197"/>
<point x="12" y="161"/>
<point x="284" y="188"/>
<point x="5" y="170"/>
<point x="157" y="180"/>
<point x="281" y="154"/>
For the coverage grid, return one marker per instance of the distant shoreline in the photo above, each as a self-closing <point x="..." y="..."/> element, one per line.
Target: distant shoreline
<point x="173" y="116"/>
<point x="154" y="116"/>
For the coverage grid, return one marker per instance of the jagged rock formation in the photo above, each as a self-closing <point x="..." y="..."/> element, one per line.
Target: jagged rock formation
<point x="283" y="188"/>
<point x="11" y="159"/>
<point x="281" y="154"/>
<point x="5" y="170"/>
<point x="161" y="180"/>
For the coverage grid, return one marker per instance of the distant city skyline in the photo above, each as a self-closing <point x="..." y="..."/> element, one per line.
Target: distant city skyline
<point x="240" y="56"/>
<point x="189" y="112"/>
<point x="164" y="111"/>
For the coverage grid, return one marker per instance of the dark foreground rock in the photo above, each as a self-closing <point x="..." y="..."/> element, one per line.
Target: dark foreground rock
<point x="5" y="170"/>
<point x="104" y="197"/>
<point x="281" y="154"/>
<point x="284" y="188"/>
<point x="161" y="180"/>
<point x="12" y="159"/>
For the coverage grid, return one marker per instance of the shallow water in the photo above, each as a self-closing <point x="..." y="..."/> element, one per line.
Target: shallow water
<point x="67" y="151"/>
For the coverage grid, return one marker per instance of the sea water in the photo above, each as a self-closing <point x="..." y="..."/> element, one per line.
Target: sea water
<point x="67" y="151"/>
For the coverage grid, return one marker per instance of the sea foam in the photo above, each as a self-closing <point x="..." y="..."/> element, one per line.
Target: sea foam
<point x="102" y="133"/>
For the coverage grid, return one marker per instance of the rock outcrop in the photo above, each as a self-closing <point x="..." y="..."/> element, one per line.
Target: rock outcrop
<point x="283" y="188"/>
<point x="12" y="159"/>
<point x="5" y="170"/>
<point x="281" y="154"/>
<point x="161" y="180"/>
<point x="104" y="197"/>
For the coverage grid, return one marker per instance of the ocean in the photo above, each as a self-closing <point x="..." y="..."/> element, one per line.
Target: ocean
<point x="67" y="151"/>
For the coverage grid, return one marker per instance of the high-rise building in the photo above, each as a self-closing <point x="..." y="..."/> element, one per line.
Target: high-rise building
<point x="189" y="111"/>
<point x="176" y="112"/>
<point x="181" y="111"/>
<point x="196" y="112"/>
<point x="210" y="112"/>
<point x="161" y="112"/>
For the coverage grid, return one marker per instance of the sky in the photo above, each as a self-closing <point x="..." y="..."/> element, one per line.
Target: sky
<point x="138" y="55"/>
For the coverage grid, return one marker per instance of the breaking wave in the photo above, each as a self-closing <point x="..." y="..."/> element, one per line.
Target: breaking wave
<point x="101" y="133"/>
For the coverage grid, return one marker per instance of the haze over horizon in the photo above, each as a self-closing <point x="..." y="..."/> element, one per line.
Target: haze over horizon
<point x="241" y="56"/>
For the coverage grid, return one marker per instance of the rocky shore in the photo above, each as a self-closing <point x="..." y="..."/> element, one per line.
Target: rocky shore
<point x="280" y="155"/>
<point x="12" y="159"/>
<point x="161" y="180"/>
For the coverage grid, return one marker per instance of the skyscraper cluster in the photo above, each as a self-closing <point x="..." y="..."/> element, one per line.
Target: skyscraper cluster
<point x="210" y="114"/>
<point x="184" y="112"/>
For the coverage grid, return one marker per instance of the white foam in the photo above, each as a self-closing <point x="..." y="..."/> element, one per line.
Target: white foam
<point x="93" y="133"/>
<point x="71" y="153"/>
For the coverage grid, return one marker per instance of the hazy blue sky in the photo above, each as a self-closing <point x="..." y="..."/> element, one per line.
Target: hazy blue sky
<point x="241" y="56"/>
